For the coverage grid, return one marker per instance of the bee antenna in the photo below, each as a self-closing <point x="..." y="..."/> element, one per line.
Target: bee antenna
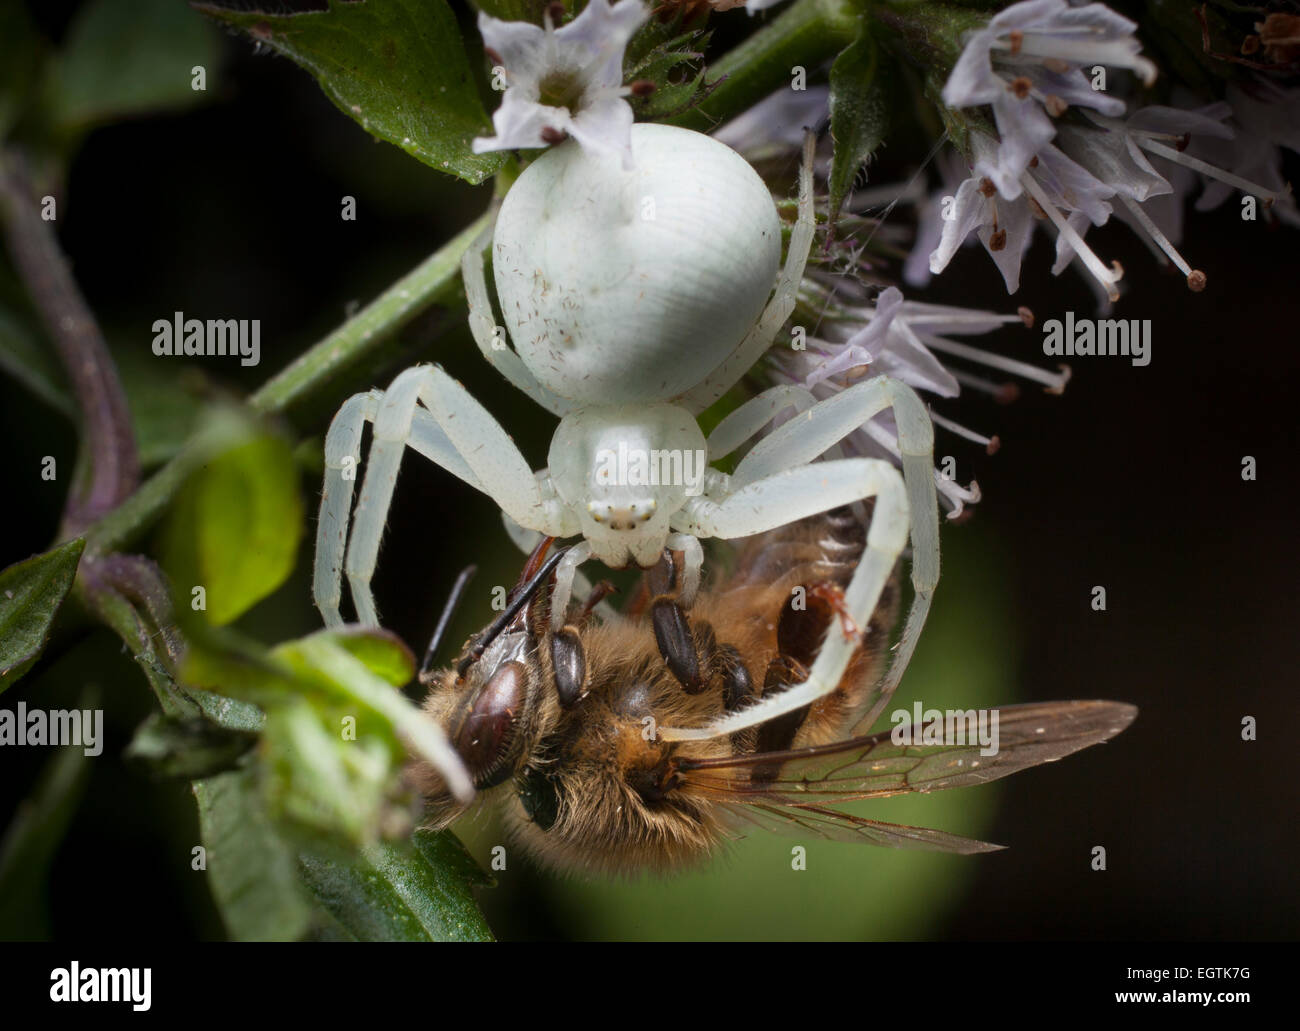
<point x="521" y="599"/>
<point x="448" y="610"/>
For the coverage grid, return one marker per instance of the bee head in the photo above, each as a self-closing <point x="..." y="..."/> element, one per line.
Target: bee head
<point x="488" y="704"/>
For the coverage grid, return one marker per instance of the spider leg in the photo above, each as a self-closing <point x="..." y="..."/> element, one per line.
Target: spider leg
<point x="454" y="431"/>
<point x="342" y="458"/>
<point x="526" y="540"/>
<point x="830" y="421"/>
<point x="785" y="497"/>
<point x="566" y="574"/>
<point x="745" y="421"/>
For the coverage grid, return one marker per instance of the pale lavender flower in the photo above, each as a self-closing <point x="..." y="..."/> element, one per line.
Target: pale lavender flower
<point x="930" y="218"/>
<point x="1052" y="186"/>
<point x="564" y="82"/>
<point x="1113" y="151"/>
<point x="910" y="342"/>
<point x="1027" y="64"/>
<point x="1265" y="118"/>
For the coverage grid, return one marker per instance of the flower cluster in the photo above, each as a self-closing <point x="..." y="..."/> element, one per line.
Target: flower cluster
<point x="911" y="342"/>
<point x="1032" y="65"/>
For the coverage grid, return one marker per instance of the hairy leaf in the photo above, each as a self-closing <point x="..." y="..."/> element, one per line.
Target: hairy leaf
<point x="31" y="593"/>
<point x="398" y="67"/>
<point x="402" y="892"/>
<point x="250" y="869"/>
<point x="860" y="105"/>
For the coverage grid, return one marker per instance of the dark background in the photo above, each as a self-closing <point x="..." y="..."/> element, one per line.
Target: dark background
<point x="1131" y="480"/>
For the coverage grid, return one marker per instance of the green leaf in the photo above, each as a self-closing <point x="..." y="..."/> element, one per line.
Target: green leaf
<point x="249" y="867"/>
<point x="189" y="747"/>
<point x="235" y="528"/>
<point x="445" y="852"/>
<point x="402" y="892"/>
<point x="382" y="652"/>
<point x="129" y="57"/>
<point x="33" y="837"/>
<point x="31" y="593"/>
<point x="398" y="67"/>
<point x="673" y="61"/>
<point x="335" y="729"/>
<point x="860" y="105"/>
<point x="230" y="713"/>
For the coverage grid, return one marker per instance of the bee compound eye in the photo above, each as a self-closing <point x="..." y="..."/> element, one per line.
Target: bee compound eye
<point x="485" y="736"/>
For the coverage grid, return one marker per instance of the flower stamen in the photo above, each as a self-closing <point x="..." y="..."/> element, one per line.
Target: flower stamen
<point x="1106" y="277"/>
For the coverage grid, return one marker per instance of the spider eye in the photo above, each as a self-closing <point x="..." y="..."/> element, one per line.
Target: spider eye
<point x="484" y="738"/>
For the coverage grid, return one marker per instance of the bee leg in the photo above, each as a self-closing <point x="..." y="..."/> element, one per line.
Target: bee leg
<point x="673" y="633"/>
<point x="737" y="687"/>
<point x="677" y="644"/>
<point x="777" y="734"/>
<point x="598" y="594"/>
<point x="569" y="661"/>
<point x="737" y="691"/>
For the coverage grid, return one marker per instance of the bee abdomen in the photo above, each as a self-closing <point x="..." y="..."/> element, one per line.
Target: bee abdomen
<point x="826" y="546"/>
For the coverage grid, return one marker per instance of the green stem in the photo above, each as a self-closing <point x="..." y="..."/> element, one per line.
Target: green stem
<point x="804" y="35"/>
<point x="353" y="342"/>
<point x="325" y="365"/>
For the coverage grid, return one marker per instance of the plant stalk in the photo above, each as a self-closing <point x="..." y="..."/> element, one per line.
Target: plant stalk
<point x="108" y="468"/>
<point x="804" y="35"/>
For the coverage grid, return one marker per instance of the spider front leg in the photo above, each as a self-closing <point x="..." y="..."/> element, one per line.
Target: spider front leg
<point x="566" y="574"/>
<point x="829" y="422"/>
<point x="786" y="497"/>
<point x="342" y="458"/>
<point x="454" y="431"/>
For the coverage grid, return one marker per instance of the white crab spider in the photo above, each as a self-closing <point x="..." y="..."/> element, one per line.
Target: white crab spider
<point x="607" y="393"/>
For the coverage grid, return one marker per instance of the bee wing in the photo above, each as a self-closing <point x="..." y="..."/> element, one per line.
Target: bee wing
<point x="802" y="821"/>
<point x="874" y="767"/>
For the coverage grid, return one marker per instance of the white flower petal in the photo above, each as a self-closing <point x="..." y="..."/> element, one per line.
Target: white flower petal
<point x="599" y="35"/>
<point x="519" y="124"/>
<point x="1017" y="221"/>
<point x="776" y="122"/>
<point x="968" y="211"/>
<point x="605" y="126"/>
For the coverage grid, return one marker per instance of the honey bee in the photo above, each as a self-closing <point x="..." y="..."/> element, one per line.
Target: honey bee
<point x="559" y="727"/>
